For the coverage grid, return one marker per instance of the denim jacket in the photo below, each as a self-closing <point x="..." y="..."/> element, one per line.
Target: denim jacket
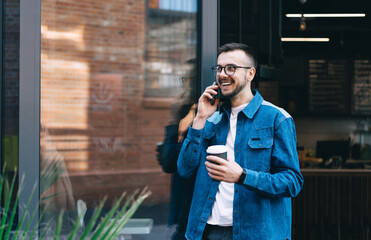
<point x="265" y="146"/>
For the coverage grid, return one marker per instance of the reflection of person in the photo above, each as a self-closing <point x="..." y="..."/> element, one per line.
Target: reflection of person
<point x="182" y="114"/>
<point x="247" y="196"/>
<point x="55" y="185"/>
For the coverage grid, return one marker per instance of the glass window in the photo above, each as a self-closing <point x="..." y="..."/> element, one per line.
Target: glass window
<point x="102" y="65"/>
<point x="170" y="42"/>
<point x="9" y="99"/>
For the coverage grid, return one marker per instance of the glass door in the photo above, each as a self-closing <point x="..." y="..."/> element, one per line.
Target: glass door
<point x="110" y="73"/>
<point x="9" y="107"/>
<point x="99" y="83"/>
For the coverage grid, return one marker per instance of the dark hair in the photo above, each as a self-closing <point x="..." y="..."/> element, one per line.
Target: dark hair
<point x="240" y="46"/>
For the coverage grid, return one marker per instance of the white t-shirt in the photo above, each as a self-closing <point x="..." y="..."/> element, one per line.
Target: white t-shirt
<point x="222" y="211"/>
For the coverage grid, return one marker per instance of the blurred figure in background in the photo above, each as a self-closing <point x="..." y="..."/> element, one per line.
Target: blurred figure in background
<point x="181" y="117"/>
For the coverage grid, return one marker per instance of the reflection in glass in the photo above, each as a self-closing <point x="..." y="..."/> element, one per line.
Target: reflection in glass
<point x="171" y="41"/>
<point x="9" y="102"/>
<point x="100" y="63"/>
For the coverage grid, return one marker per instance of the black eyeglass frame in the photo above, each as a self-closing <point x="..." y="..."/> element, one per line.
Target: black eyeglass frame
<point x="214" y="69"/>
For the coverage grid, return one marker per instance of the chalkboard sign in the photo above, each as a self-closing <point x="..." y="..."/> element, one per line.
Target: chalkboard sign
<point x="328" y="86"/>
<point x="361" y="103"/>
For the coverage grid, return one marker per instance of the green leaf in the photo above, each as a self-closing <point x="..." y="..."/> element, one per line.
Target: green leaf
<point x="72" y="235"/>
<point x="30" y="221"/>
<point x="125" y="218"/>
<point x="109" y="227"/>
<point x="59" y="226"/>
<point x="116" y="222"/>
<point x="14" y="210"/>
<point x="106" y="222"/>
<point x="7" y="204"/>
<point x="21" y="221"/>
<point x="93" y="220"/>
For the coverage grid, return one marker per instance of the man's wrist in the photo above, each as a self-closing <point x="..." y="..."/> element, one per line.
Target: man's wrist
<point x="199" y="122"/>
<point x="242" y="178"/>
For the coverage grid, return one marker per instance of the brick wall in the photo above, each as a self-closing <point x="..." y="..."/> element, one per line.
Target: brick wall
<point x="92" y="88"/>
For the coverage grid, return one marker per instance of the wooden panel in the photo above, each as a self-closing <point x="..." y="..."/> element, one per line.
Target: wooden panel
<point x="333" y="206"/>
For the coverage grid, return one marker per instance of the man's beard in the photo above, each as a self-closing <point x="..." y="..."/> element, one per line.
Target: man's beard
<point x="235" y="91"/>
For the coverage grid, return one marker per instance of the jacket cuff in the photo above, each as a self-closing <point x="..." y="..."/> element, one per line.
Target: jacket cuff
<point x="195" y="134"/>
<point x="251" y="178"/>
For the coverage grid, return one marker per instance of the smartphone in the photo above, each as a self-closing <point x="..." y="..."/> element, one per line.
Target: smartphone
<point x="218" y="95"/>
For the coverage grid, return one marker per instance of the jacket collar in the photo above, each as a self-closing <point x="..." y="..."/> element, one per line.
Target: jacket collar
<point x="250" y="109"/>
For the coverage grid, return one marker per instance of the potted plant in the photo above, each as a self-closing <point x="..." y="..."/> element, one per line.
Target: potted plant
<point x="108" y="227"/>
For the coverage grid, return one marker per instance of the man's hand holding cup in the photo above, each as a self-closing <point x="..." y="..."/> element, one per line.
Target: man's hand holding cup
<point x="219" y="167"/>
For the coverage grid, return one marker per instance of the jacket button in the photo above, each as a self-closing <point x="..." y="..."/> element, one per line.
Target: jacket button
<point x="235" y="233"/>
<point x="203" y="219"/>
<point x="221" y="142"/>
<point x="260" y="145"/>
<point x="236" y="151"/>
<point x="238" y="132"/>
<point x="210" y="199"/>
<point x="195" y="151"/>
<point x="198" y="136"/>
<point x="235" y="211"/>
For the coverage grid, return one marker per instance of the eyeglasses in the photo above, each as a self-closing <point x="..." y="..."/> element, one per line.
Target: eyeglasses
<point x="229" y="69"/>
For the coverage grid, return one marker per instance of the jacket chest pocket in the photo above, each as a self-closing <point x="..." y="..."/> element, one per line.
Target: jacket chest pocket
<point x="260" y="151"/>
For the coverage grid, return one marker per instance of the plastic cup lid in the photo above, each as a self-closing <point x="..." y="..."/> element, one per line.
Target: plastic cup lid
<point x="216" y="149"/>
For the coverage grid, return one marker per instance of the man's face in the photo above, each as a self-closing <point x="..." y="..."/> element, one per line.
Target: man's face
<point x="232" y="85"/>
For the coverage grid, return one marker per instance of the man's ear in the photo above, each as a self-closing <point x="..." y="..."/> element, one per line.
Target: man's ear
<point x="250" y="74"/>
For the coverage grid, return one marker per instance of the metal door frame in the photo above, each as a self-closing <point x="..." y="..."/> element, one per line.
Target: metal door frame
<point x="29" y="103"/>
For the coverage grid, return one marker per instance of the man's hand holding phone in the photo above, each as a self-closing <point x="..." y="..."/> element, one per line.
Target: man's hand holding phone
<point x="206" y="106"/>
<point x="217" y="96"/>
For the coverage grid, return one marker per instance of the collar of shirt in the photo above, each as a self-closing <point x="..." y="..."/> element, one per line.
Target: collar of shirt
<point x="250" y="109"/>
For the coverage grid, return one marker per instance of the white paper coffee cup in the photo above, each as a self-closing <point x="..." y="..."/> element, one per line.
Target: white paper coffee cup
<point x="217" y="150"/>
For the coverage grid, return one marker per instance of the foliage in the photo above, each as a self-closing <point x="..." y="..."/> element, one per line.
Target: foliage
<point x="107" y="228"/>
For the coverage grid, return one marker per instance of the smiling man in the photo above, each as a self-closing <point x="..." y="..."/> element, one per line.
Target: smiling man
<point x="248" y="195"/>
